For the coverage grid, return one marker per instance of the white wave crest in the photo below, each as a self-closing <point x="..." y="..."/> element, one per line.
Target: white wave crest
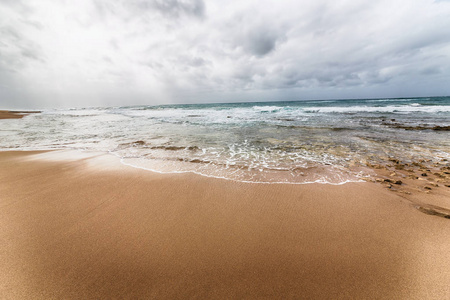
<point x="382" y="109"/>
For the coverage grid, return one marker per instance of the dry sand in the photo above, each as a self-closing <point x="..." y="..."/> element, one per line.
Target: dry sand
<point x="79" y="226"/>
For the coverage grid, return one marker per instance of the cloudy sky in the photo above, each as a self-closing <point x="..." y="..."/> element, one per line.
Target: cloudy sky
<point x="126" y="52"/>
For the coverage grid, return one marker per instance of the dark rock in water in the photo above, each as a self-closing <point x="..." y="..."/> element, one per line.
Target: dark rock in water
<point x="424" y="174"/>
<point x="173" y="148"/>
<point x="192" y="148"/>
<point x="399" y="182"/>
<point x="419" y="127"/>
<point x="441" y="128"/>
<point x="427" y="187"/>
<point x="387" y="180"/>
<point x="395" y="160"/>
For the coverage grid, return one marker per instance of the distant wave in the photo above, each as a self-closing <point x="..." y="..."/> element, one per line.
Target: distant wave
<point x="415" y="107"/>
<point x="267" y="108"/>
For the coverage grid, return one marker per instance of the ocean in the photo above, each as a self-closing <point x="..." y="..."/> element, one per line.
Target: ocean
<point x="326" y="141"/>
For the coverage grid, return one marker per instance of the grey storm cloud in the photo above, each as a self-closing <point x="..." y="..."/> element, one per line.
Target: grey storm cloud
<point x="99" y="52"/>
<point x="176" y="8"/>
<point x="261" y="40"/>
<point x="135" y="9"/>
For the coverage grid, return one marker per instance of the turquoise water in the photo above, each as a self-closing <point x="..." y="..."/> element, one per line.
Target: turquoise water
<point x="329" y="141"/>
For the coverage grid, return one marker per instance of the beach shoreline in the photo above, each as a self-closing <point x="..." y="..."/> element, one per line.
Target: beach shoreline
<point x="295" y="142"/>
<point x="83" y="225"/>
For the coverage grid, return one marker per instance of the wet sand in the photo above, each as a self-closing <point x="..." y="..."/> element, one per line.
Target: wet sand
<point x="77" y="226"/>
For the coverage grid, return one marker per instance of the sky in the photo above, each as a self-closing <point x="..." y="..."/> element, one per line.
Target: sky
<point x="84" y="53"/>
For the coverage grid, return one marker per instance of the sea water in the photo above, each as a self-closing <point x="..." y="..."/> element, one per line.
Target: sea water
<point x="328" y="141"/>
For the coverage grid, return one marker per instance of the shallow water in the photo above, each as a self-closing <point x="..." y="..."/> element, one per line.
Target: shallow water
<point x="331" y="141"/>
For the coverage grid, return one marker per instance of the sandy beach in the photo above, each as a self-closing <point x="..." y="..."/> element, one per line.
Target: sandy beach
<point x="7" y="114"/>
<point x="191" y="149"/>
<point x="81" y="225"/>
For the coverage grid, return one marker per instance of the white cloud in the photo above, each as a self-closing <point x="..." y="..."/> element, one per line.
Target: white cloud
<point x="99" y="52"/>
